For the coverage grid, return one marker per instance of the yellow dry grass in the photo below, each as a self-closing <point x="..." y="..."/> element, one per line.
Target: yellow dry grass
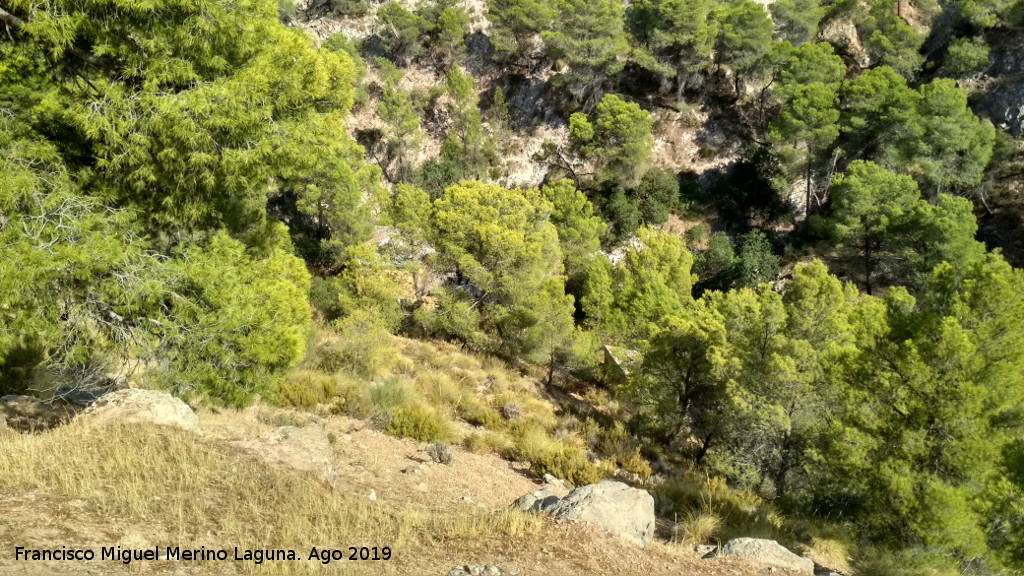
<point x="175" y="479"/>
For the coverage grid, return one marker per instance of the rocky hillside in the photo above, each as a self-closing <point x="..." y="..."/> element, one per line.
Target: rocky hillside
<point x="267" y="478"/>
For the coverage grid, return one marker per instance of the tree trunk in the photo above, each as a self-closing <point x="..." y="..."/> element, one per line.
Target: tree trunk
<point x="867" y="265"/>
<point x="705" y="446"/>
<point x="807" y="200"/>
<point x="784" y="459"/>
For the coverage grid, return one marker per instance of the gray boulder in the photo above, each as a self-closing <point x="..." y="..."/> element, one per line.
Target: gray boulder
<point x="613" y="506"/>
<point x="539" y="501"/>
<point x="767" y="552"/>
<point x="138" y="406"/>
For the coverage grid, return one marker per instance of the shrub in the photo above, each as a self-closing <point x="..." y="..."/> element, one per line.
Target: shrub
<point x="419" y="423"/>
<point x="634" y="463"/>
<point x="486" y="443"/>
<point x="306" y="389"/>
<point x="965" y="57"/>
<point x="511" y="411"/>
<point x="698" y="527"/>
<point x="476" y="413"/>
<point x="353" y="399"/>
<point x="389" y="394"/>
<point x="364" y="346"/>
<point x="549" y="456"/>
<point x="439" y="452"/>
<point x="742" y="512"/>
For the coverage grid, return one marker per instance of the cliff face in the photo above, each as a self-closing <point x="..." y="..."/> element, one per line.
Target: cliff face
<point x="999" y="94"/>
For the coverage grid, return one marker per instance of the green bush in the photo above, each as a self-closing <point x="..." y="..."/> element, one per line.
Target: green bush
<point x="476" y="413"/>
<point x="419" y="423"/>
<point x="549" y="456"/>
<point x="965" y="57"/>
<point x="364" y="346"/>
<point x="353" y="399"/>
<point x="389" y="394"/>
<point x="306" y="389"/>
<point x="486" y="443"/>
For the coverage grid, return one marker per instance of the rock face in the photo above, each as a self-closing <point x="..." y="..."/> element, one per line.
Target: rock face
<point x="305" y="449"/>
<point x="139" y="406"/>
<point x="27" y="413"/>
<point x="539" y="501"/>
<point x="612" y="505"/>
<point x="768" y="552"/>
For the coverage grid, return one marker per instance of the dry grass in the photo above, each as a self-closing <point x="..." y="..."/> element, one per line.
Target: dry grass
<point x="830" y="553"/>
<point x="173" y="478"/>
<point x="697" y="528"/>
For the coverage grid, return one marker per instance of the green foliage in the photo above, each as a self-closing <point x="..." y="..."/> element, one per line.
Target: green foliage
<point x="515" y="23"/>
<point x="401" y="32"/>
<point x="757" y="262"/>
<point x="965" y="56"/>
<point x="677" y="38"/>
<point x="883" y="224"/>
<point x="306" y="389"/>
<point x="890" y="40"/>
<point x="930" y="402"/>
<point x="338" y="7"/>
<point x="579" y="230"/>
<point x="548" y="456"/>
<point x="410" y="213"/>
<point x="232" y="321"/>
<point x="419" y="423"/>
<point x="797" y="21"/>
<point x="955" y="146"/>
<point x="502" y="242"/>
<point x="450" y="33"/>
<point x="364" y="345"/>
<point x="72" y="273"/>
<point x="390" y="394"/>
<point x="181" y="121"/>
<point x="654" y="280"/>
<point x="617" y="140"/>
<point x="286" y="11"/>
<point x="657" y="195"/>
<point x="871" y="209"/>
<point x="467" y="149"/>
<point x="590" y="36"/>
<point x="744" y="37"/>
<point x="393" y="147"/>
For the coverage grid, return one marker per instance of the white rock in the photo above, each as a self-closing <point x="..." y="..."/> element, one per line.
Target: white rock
<point x="138" y="406"/>
<point x="768" y="552"/>
<point x="612" y="505"/>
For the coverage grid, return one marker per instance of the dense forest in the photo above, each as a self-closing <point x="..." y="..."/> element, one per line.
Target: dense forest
<point x="182" y="196"/>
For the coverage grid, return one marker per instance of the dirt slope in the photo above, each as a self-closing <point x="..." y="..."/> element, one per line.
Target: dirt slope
<point x="365" y="460"/>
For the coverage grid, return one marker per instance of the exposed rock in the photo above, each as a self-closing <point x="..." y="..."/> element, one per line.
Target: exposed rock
<point x="842" y="33"/>
<point x="768" y="552"/>
<point x="373" y="496"/>
<point x="556" y="484"/>
<point x="28" y="413"/>
<point x="479" y="570"/>
<point x="539" y="501"/>
<point x="138" y="406"/>
<point x="612" y="505"/>
<point x="303" y="449"/>
<point x="79" y="396"/>
<point x="705" y="550"/>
